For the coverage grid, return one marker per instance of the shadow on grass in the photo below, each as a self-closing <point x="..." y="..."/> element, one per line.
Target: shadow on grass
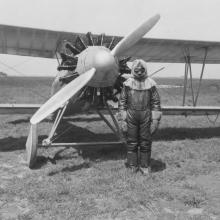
<point x="107" y="152"/>
<point x="73" y="168"/>
<point x="157" y="165"/>
<point x="41" y="161"/>
<point x="19" y="121"/>
<point x="171" y="134"/>
<point x="13" y="144"/>
<point x="79" y="134"/>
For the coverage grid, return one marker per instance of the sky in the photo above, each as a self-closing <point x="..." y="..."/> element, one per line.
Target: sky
<point x="180" y="19"/>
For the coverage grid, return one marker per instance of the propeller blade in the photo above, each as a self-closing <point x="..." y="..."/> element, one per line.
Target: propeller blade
<point x="135" y="36"/>
<point x="59" y="99"/>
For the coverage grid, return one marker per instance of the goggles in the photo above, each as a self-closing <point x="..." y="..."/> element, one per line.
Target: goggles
<point x="139" y="69"/>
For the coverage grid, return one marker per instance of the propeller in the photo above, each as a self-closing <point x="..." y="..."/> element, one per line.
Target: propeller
<point x="59" y="99"/>
<point x="135" y="36"/>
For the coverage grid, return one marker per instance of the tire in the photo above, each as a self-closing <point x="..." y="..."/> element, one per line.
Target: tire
<point x="31" y="146"/>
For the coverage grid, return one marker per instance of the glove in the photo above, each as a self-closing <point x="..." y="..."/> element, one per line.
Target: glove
<point x="121" y="116"/>
<point x="123" y="126"/>
<point x="156" y="116"/>
<point x="154" y="126"/>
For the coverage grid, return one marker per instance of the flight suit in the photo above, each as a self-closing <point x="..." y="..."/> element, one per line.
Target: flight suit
<point x="139" y="106"/>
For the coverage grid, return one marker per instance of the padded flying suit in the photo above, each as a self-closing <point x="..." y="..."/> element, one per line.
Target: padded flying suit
<point x="139" y="99"/>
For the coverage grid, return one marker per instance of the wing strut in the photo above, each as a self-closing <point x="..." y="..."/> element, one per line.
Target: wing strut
<point x="188" y="71"/>
<point x="201" y="75"/>
<point x="185" y="83"/>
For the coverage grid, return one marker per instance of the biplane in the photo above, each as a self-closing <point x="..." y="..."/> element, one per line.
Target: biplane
<point x="94" y="67"/>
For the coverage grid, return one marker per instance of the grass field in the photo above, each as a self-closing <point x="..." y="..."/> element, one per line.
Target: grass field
<point x="92" y="182"/>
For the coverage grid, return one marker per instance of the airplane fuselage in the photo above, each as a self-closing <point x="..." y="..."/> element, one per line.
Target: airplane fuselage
<point x="103" y="61"/>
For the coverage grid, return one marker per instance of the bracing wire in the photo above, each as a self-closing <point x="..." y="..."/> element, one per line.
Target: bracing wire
<point x="63" y="132"/>
<point x="213" y="122"/>
<point x="17" y="65"/>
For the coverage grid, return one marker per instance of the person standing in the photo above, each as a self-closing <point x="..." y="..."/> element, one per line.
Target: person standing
<point x="139" y="107"/>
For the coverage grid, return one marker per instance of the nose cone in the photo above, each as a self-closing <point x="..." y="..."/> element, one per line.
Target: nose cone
<point x="103" y="60"/>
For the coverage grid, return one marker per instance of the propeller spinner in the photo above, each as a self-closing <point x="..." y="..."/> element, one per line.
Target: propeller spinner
<point x="103" y="61"/>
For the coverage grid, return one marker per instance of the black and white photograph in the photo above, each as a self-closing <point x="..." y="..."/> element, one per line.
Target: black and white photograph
<point x="109" y="110"/>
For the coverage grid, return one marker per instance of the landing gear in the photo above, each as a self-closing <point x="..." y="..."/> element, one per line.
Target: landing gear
<point x="32" y="140"/>
<point x="113" y="126"/>
<point x="31" y="146"/>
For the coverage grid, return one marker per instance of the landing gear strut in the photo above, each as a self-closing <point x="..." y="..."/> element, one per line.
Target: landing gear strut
<point x="32" y="141"/>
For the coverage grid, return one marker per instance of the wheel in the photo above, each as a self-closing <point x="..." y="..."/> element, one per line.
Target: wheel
<point x="31" y="146"/>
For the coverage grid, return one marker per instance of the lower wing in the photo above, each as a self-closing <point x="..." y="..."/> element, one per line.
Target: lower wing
<point x="167" y="110"/>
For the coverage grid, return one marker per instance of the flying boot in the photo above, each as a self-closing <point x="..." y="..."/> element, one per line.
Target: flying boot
<point x="132" y="161"/>
<point x="145" y="163"/>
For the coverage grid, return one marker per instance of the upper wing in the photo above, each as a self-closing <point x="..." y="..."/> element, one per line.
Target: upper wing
<point x="174" y="51"/>
<point x="31" y="41"/>
<point x="43" y="43"/>
<point x="26" y="41"/>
